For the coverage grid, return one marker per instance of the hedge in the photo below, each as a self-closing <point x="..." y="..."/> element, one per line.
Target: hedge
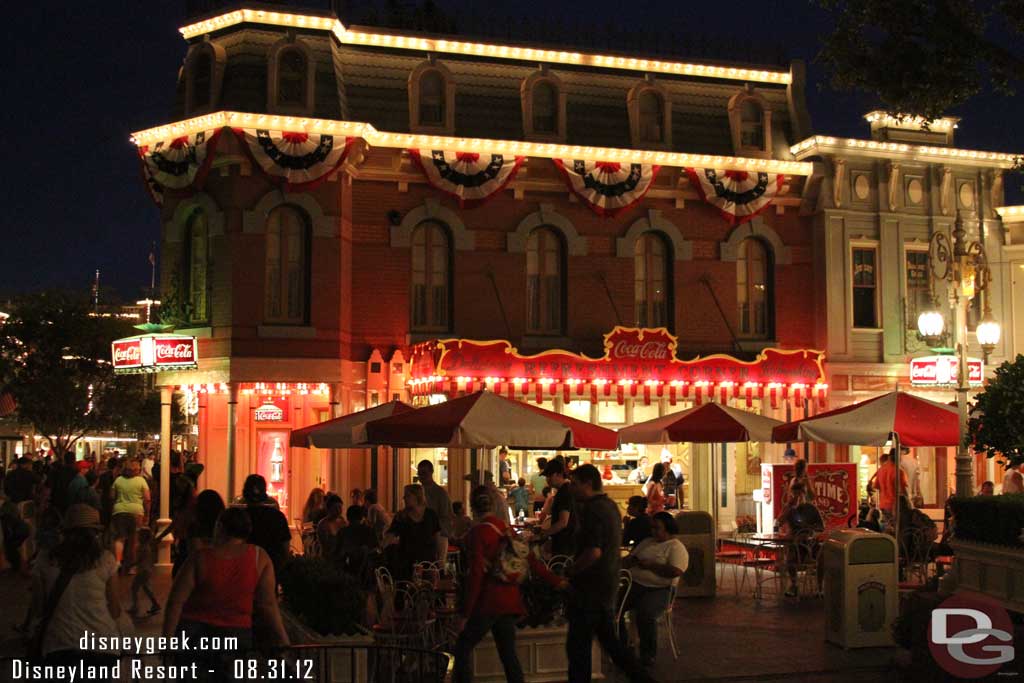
<point x="989" y="519"/>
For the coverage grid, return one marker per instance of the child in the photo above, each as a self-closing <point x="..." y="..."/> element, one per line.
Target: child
<point x="147" y="544"/>
<point x="462" y="521"/>
<point x="520" y="498"/>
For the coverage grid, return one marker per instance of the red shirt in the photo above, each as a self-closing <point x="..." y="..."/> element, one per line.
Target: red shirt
<point x="885" y="479"/>
<point x="225" y="589"/>
<point x="486" y="595"/>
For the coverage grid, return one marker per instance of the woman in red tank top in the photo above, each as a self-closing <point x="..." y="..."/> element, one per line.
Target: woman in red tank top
<point x="217" y="591"/>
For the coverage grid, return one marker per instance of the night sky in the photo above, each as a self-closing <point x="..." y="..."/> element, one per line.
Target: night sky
<point x="86" y="74"/>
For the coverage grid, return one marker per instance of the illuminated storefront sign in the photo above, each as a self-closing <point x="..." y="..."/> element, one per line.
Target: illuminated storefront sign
<point x="154" y="353"/>
<point x="639" y="363"/>
<point x="942" y="371"/>
<point x="268" y="412"/>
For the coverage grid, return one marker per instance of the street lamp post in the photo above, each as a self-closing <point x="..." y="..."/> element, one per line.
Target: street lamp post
<point x="963" y="266"/>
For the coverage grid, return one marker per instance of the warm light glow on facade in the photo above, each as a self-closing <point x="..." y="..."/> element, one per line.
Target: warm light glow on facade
<point x="820" y="144"/>
<point x="1013" y="214"/>
<point x="881" y="119"/>
<point x="489" y="50"/>
<point x="482" y="145"/>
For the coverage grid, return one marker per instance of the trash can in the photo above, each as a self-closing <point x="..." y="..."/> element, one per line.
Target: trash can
<point x="861" y="589"/>
<point x="696" y="532"/>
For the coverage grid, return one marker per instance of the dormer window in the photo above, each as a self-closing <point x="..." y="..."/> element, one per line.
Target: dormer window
<point x="291" y="78"/>
<point x="431" y="99"/>
<point x="750" y="120"/>
<point x="650" y="116"/>
<point x="203" y="69"/>
<point x="543" y="100"/>
<point x="202" y="80"/>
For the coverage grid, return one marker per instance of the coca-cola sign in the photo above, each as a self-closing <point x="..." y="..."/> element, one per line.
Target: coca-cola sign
<point x="268" y="412"/>
<point x="942" y="371"/>
<point x="155" y="353"/>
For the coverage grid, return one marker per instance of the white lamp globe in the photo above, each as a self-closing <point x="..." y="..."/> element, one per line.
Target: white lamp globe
<point x="930" y="323"/>
<point x="988" y="331"/>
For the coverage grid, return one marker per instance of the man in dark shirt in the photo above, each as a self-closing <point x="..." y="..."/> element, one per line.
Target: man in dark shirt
<point x="60" y="479"/>
<point x="106" y="482"/>
<point x="270" y="529"/>
<point x="594" y="578"/>
<point x="638" y="527"/>
<point x="563" y="515"/>
<point x="20" y="484"/>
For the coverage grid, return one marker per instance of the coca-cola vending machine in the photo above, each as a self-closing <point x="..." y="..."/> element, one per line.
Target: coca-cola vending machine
<point x="835" y="493"/>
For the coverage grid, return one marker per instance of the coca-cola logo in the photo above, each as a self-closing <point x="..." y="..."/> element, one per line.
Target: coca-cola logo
<point x="182" y="352"/>
<point x="651" y="350"/>
<point x="268" y="412"/>
<point x="127" y="354"/>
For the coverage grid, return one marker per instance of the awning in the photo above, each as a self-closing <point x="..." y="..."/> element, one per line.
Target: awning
<point x="917" y="421"/>
<point x="339" y="432"/>
<point x="709" y="423"/>
<point x="486" y="420"/>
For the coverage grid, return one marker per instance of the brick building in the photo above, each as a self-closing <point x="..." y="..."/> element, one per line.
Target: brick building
<point x="332" y="197"/>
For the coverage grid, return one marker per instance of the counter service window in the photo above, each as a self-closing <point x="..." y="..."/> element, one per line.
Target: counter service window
<point x="198" y="267"/>
<point x="291" y="78"/>
<point x="287" y="274"/>
<point x="545" y="278"/>
<point x="865" y="288"/>
<point x="431" y="277"/>
<point x="754" y="289"/>
<point x="652" y="274"/>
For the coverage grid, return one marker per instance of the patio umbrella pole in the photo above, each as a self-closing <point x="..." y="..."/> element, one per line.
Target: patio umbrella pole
<point x="899" y="494"/>
<point x="394" y="477"/>
<point x="373" y="469"/>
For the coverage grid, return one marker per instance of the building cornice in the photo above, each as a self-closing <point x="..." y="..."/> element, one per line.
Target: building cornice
<point x="1011" y="214"/>
<point x="384" y="139"/>
<point x="375" y="38"/>
<point x="822" y="145"/>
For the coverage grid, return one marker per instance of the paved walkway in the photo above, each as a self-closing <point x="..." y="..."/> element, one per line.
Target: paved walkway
<point x="724" y="639"/>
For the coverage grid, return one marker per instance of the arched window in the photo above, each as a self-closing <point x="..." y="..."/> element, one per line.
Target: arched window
<point x="202" y="80"/>
<point x="432" y="98"/>
<point x="431" y="278"/>
<point x="545" y="107"/>
<point x="545" y="275"/>
<point x="287" y="266"/>
<point x="652" y="274"/>
<point x="197" y="258"/>
<point x="651" y="112"/>
<point x="292" y="74"/>
<point x="754" y="290"/>
<point x="751" y="124"/>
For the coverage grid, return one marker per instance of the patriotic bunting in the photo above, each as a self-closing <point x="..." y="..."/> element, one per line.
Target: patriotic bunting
<point x="179" y="163"/>
<point x="468" y="177"/>
<point x="301" y="160"/>
<point x="607" y="187"/>
<point x="738" y="195"/>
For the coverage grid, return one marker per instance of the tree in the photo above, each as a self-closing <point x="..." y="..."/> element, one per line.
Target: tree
<point x="55" y="362"/>
<point x="924" y="57"/>
<point x="995" y="425"/>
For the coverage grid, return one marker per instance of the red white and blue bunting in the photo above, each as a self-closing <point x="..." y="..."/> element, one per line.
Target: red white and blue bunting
<point x="301" y="160"/>
<point x="179" y="163"/>
<point x="738" y="195"/>
<point x="468" y="177"/>
<point x="607" y="187"/>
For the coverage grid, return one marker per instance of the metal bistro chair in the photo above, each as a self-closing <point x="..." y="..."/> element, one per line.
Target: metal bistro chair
<point x="559" y="563"/>
<point x="726" y="560"/>
<point x="760" y="566"/>
<point x="664" y="619"/>
<point x="625" y="586"/>
<point x="914" y="548"/>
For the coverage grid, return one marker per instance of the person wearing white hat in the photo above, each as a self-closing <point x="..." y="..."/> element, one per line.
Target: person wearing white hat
<point x="75" y="592"/>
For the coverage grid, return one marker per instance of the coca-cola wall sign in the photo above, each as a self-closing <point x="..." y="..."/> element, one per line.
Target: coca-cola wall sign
<point x="943" y="371"/>
<point x="155" y="353"/>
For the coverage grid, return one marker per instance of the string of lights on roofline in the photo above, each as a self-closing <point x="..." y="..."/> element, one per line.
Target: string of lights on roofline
<point x="438" y="383"/>
<point x="818" y="143"/>
<point x="410" y="140"/>
<point x="512" y="52"/>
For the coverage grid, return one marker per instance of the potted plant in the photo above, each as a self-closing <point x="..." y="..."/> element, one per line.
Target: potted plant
<point x="324" y="605"/>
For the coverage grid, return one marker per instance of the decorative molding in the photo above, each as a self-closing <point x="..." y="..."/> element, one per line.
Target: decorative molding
<point x="736" y="122"/>
<point x="894" y="185"/>
<point x="174" y="229"/>
<point x="996" y="190"/>
<point x="432" y="210"/>
<point x="625" y="246"/>
<point x="730" y="248"/>
<point x="273" y="64"/>
<point x="946" y="199"/>
<point x="254" y="220"/>
<point x="838" y="178"/>
<point x="545" y="215"/>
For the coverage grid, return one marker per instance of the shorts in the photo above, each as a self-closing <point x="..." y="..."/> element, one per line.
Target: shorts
<point x="123" y="525"/>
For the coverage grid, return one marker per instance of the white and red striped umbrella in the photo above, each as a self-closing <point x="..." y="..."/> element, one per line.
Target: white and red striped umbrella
<point x="486" y="420"/>
<point x="709" y="423"/>
<point x="340" y="432"/>
<point x="917" y="422"/>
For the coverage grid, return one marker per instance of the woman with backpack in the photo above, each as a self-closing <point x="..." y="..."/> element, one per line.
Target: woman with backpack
<point x="493" y="599"/>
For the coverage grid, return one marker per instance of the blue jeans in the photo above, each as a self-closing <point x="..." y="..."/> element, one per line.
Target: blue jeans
<point x="590" y="620"/>
<point x="646" y="604"/>
<point x="503" y="628"/>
